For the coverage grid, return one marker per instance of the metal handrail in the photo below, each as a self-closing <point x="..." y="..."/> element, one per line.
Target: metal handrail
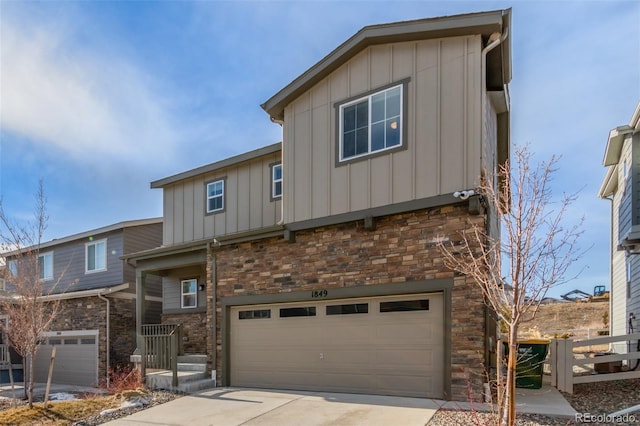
<point x="160" y="348"/>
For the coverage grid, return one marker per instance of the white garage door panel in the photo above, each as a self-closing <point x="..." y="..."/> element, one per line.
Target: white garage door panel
<point x="391" y="353"/>
<point x="76" y="361"/>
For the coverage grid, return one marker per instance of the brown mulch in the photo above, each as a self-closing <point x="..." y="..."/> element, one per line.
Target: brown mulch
<point x="596" y="399"/>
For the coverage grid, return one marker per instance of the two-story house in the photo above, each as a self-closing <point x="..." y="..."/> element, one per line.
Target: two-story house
<point x="313" y="264"/>
<point x="621" y="186"/>
<point x="95" y="289"/>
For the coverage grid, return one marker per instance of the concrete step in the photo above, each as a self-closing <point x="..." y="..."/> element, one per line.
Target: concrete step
<point x="186" y="366"/>
<point x="162" y="379"/>
<point x="192" y="359"/>
<point x="197" y="385"/>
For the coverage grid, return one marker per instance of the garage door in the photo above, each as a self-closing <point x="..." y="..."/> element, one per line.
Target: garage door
<point x="76" y="360"/>
<point x="388" y="345"/>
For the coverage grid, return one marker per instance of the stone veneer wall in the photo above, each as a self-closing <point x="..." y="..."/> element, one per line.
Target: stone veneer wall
<point x="89" y="313"/>
<point x="194" y="330"/>
<point x="402" y="248"/>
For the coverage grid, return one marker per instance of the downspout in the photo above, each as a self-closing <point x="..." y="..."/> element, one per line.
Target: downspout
<point x="214" y="321"/>
<point x="101" y="297"/>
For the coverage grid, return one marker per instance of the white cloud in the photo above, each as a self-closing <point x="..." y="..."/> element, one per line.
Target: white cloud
<point x="88" y="105"/>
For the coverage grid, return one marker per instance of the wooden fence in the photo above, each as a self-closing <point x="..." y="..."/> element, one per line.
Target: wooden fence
<point x="563" y="360"/>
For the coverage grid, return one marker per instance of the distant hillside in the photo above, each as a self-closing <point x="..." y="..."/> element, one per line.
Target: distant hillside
<point x="575" y="318"/>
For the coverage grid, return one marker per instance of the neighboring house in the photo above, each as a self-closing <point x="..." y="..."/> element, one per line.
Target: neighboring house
<point x="313" y="264"/>
<point x="95" y="327"/>
<point x="621" y="186"/>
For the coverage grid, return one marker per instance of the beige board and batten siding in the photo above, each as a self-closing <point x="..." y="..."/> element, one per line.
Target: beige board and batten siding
<point x="444" y="130"/>
<point x="248" y="203"/>
<point x="374" y="352"/>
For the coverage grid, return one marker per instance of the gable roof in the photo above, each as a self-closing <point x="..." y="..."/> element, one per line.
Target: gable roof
<point x="92" y="232"/>
<point x="483" y="23"/>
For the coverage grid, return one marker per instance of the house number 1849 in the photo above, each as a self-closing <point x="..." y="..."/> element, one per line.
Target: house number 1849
<point x="319" y="293"/>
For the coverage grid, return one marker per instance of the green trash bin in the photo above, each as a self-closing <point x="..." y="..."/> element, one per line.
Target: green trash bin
<point x="530" y="363"/>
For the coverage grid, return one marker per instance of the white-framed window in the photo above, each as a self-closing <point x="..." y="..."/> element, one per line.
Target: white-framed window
<point x="276" y="180"/>
<point x="45" y="265"/>
<point x="189" y="292"/>
<point x="96" y="256"/>
<point x="13" y="268"/>
<point x="371" y="123"/>
<point x="215" y="196"/>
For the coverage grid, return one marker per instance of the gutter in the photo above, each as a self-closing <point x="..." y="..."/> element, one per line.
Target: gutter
<point x="84" y="293"/>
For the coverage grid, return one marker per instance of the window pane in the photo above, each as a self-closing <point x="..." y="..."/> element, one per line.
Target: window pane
<point x="91" y="257"/>
<point x="298" y="312"/>
<point x="377" y="108"/>
<point x="362" y="141"/>
<point x="405" y="305"/>
<point x="393" y="102"/>
<point x="362" y="114"/>
<point x="277" y="189"/>
<point x="377" y="136"/>
<point x="353" y="308"/>
<point x="393" y="132"/>
<point x="349" y="118"/>
<point x="188" y="286"/>
<point x="100" y="255"/>
<point x="349" y="144"/>
<point x="277" y="172"/>
<point x="189" y="301"/>
<point x="256" y="314"/>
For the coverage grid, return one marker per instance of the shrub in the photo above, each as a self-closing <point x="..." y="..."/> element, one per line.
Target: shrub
<point x="123" y="378"/>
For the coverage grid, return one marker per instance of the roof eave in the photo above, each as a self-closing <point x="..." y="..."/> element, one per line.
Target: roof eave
<point x="212" y="167"/>
<point x="484" y="23"/>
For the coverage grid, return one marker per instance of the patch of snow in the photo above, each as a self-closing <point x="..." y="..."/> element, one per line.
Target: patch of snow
<point x="136" y="402"/>
<point x="62" y="396"/>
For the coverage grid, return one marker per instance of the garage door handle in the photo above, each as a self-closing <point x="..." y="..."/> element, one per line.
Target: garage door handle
<point x="321" y="355"/>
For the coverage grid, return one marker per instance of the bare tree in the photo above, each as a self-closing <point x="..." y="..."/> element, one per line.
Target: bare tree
<point x="30" y="314"/>
<point x="535" y="252"/>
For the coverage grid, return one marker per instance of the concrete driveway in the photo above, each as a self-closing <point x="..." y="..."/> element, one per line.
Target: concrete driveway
<point x="229" y="406"/>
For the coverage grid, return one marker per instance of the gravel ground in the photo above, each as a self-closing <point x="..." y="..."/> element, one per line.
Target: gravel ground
<point x="597" y="399"/>
<point x="155" y="397"/>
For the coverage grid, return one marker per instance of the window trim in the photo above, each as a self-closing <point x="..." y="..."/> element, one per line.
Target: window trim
<point x="86" y="256"/>
<point x="224" y="196"/>
<point x="404" y="90"/>
<point x="41" y="268"/>
<point x="194" y="293"/>
<point x="12" y="267"/>
<point x="272" y="168"/>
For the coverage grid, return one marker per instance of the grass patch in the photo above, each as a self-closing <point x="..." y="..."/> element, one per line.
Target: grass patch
<point x="59" y="413"/>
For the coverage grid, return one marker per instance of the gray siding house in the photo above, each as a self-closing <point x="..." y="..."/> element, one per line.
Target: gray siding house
<point x="621" y="186"/>
<point x="95" y="328"/>
<point x="312" y="264"/>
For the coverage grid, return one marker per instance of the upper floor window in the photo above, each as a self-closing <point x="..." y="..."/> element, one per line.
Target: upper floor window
<point x="215" y="196"/>
<point x="13" y="268"/>
<point x="371" y="123"/>
<point x="189" y="293"/>
<point x="45" y="265"/>
<point x="96" y="256"/>
<point x="276" y="180"/>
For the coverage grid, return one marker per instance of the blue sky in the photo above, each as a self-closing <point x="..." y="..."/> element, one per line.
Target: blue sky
<point x="99" y="98"/>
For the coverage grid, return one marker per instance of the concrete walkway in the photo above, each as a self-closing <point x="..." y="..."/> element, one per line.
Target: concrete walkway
<point x="252" y="407"/>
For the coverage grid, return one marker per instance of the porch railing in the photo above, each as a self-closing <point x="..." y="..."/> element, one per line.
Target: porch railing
<point x="4" y="354"/>
<point x="161" y="345"/>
